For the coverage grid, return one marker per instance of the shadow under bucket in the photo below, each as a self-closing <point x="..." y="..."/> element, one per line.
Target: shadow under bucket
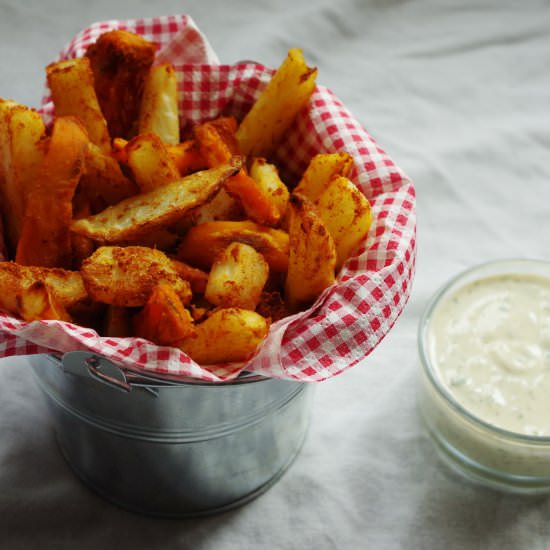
<point x="169" y="448"/>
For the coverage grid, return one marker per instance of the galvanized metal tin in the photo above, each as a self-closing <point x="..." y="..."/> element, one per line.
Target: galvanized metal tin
<point x="171" y="448"/>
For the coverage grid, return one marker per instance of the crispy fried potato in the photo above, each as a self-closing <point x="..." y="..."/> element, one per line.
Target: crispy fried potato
<point x="163" y="239"/>
<point x="37" y="303"/>
<point x="346" y="213"/>
<point x="222" y="207"/>
<point x="278" y="104"/>
<point x="71" y="84"/>
<point x="217" y="144"/>
<point x="321" y="169"/>
<point x="126" y="276"/>
<point x="237" y="277"/>
<point x="22" y="133"/>
<point x="67" y="287"/>
<point x="103" y="182"/>
<point x="158" y="111"/>
<point x="267" y="178"/>
<point x="227" y="335"/>
<point x="135" y="216"/>
<point x="197" y="278"/>
<point x="164" y="320"/>
<point x="81" y="247"/>
<point x="49" y="210"/>
<point x="312" y="257"/>
<point x="187" y="157"/>
<point x="120" y="62"/>
<point x="256" y="203"/>
<point x="149" y="162"/>
<point x="204" y="242"/>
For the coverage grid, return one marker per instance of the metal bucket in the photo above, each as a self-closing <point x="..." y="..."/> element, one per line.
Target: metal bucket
<point x="170" y="448"/>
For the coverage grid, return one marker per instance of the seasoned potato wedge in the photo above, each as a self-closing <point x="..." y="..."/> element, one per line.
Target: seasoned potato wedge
<point x="312" y="257"/>
<point x="53" y="193"/>
<point x="227" y="335"/>
<point x="321" y="169"/>
<point x="204" y="242"/>
<point x="237" y="277"/>
<point x="22" y="133"/>
<point x="37" y="302"/>
<point x="222" y="207"/>
<point x="159" y="208"/>
<point x="267" y="177"/>
<point x="196" y="278"/>
<point x="164" y="320"/>
<point x="187" y="157"/>
<point x="66" y="287"/>
<point x="158" y="111"/>
<point x="217" y="144"/>
<point x="103" y="182"/>
<point x="71" y="85"/>
<point x="120" y="61"/>
<point x="126" y="276"/>
<point x="275" y="109"/>
<point x="346" y="213"/>
<point x="149" y="162"/>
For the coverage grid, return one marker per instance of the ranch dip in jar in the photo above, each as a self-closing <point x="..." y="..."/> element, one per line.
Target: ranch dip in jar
<point x="490" y="344"/>
<point x="484" y="345"/>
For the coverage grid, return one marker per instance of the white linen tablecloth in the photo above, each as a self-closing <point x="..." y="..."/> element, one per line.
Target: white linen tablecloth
<point x="458" y="93"/>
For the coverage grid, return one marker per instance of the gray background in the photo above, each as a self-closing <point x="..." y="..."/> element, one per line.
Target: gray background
<point x="459" y="94"/>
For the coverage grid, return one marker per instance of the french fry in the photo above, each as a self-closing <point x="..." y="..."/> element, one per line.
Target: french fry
<point x="67" y="287"/>
<point x="81" y="247"/>
<point x="159" y="105"/>
<point x="228" y="335"/>
<point x="312" y="257"/>
<point x="103" y="182"/>
<point x="71" y="84"/>
<point x="256" y="203"/>
<point x="204" y="242"/>
<point x="22" y="133"/>
<point x="164" y="320"/>
<point x="237" y="277"/>
<point x="320" y="170"/>
<point x="126" y="276"/>
<point x="222" y="207"/>
<point x="159" y="208"/>
<point x="53" y="192"/>
<point x="149" y="162"/>
<point x="197" y="278"/>
<point x="186" y="156"/>
<point x="120" y="61"/>
<point x="267" y="178"/>
<point x="273" y="112"/>
<point x="163" y="239"/>
<point x="217" y="144"/>
<point x="346" y="213"/>
<point x="37" y="303"/>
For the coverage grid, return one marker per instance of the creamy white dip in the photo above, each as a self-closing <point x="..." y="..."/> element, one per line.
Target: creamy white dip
<point x="489" y="343"/>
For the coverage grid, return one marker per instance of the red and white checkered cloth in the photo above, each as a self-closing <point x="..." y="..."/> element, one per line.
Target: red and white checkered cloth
<point x="351" y="317"/>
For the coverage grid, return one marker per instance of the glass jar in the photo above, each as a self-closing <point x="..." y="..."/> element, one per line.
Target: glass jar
<point x="469" y="443"/>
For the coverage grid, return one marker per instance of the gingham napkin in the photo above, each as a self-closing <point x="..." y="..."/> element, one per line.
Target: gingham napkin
<point x="350" y="318"/>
